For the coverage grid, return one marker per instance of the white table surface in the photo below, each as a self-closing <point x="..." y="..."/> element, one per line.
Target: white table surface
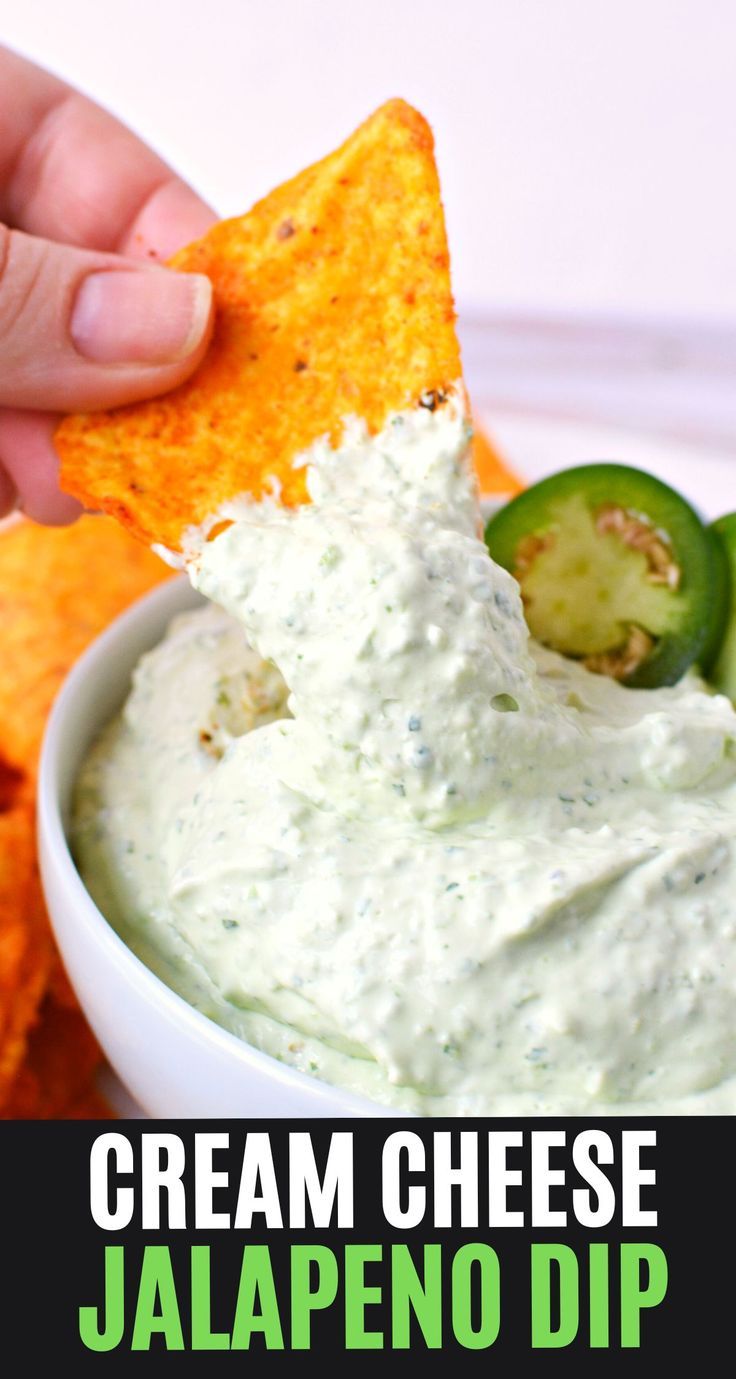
<point x="676" y="380"/>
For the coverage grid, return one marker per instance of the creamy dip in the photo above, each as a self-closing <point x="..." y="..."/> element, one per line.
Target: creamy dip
<point x="445" y="868"/>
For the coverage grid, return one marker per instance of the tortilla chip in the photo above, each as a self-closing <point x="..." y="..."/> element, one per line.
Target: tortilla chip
<point x="89" y="1106"/>
<point x="59" y="587"/>
<point x="25" y="941"/>
<point x="60" y="988"/>
<point x="333" y="300"/>
<point x="494" y="475"/>
<point x="57" y="1079"/>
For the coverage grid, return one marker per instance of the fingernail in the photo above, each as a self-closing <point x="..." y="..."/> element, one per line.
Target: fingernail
<point x="151" y="316"/>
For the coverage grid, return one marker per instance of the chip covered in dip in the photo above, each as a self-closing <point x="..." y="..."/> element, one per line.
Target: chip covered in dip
<point x="353" y="813"/>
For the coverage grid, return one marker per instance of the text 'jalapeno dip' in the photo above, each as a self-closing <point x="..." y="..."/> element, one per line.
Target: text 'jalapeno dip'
<point x="445" y="867"/>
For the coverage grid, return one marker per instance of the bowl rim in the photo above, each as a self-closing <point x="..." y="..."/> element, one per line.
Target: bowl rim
<point x="173" y="596"/>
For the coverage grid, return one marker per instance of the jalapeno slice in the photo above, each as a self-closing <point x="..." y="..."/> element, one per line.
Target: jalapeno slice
<point x="723" y="674"/>
<point x="616" y="570"/>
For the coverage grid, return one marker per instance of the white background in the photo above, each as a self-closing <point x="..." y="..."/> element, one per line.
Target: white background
<point x="586" y="147"/>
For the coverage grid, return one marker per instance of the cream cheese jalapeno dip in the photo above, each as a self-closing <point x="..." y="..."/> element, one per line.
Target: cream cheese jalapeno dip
<point x="445" y="867"/>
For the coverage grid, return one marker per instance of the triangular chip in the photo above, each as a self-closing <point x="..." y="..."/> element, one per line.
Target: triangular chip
<point x="333" y="300"/>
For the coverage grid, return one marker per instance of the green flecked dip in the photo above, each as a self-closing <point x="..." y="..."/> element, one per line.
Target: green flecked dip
<point x="446" y="867"/>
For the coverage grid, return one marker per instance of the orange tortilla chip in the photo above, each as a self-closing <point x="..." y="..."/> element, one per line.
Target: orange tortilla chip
<point x="494" y="475"/>
<point x="56" y="1080"/>
<point x="58" y="589"/>
<point x="25" y="942"/>
<point x="333" y="300"/>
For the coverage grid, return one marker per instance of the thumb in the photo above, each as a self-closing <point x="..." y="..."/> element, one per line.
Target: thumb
<point x="81" y="330"/>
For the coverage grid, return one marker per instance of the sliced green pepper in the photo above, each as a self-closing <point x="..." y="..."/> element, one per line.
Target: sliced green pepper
<point x="616" y="570"/>
<point x="723" y="674"/>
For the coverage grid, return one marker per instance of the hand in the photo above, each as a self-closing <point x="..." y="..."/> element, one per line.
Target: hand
<point x="88" y="316"/>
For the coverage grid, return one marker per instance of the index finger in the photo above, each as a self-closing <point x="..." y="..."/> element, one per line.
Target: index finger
<point x="71" y="172"/>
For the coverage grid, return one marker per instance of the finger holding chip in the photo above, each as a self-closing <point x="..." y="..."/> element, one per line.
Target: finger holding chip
<point x="333" y="300"/>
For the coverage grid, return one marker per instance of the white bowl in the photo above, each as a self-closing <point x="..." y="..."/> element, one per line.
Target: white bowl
<point x="173" y="1060"/>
